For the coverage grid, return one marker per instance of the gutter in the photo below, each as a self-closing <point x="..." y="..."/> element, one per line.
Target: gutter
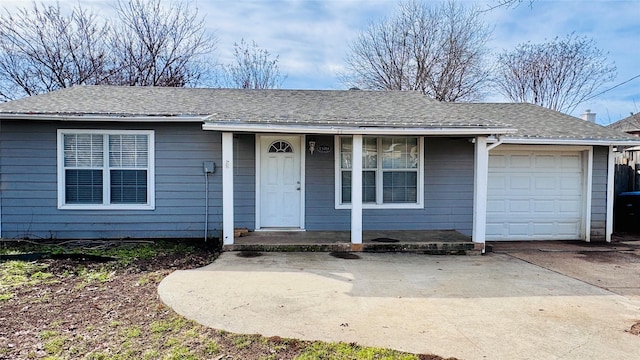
<point x="524" y="141"/>
<point x="102" y="118"/>
<point x="355" y="130"/>
<point x="495" y="144"/>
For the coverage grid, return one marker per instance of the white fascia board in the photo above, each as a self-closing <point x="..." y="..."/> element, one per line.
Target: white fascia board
<point x="101" y="118"/>
<point x="567" y="142"/>
<point x="295" y="129"/>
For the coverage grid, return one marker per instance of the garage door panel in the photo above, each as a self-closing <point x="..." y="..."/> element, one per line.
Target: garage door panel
<point x="535" y="195"/>
<point x="519" y="183"/>
<point x="497" y="161"/>
<point x="519" y="206"/>
<point x="496" y="206"/>
<point x="571" y="162"/>
<point x="567" y="229"/>
<point x="570" y="183"/>
<point x="500" y="229"/>
<point x="542" y="228"/>
<point x="519" y="161"/>
<point x="545" y="183"/>
<point x="544" y="206"/>
<point x="545" y="162"/>
<point x="518" y="229"/>
<point x="569" y="206"/>
<point x="497" y="183"/>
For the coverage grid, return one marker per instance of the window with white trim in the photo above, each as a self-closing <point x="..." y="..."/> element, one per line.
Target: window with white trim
<point x="392" y="169"/>
<point x="105" y="169"/>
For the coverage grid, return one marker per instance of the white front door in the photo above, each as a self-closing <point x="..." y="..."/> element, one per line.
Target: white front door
<point x="280" y="182"/>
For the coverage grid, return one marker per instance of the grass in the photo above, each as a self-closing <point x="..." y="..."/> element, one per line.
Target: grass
<point x="242" y="341"/>
<point x="16" y="274"/>
<point x="343" y="351"/>
<point x="125" y="252"/>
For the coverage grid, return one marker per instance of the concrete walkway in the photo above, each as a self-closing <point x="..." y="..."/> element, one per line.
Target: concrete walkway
<point x="482" y="307"/>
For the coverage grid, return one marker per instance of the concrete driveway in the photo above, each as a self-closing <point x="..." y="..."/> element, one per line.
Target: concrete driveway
<point x="497" y="306"/>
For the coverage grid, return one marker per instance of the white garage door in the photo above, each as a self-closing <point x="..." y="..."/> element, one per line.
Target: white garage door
<point x="535" y="195"/>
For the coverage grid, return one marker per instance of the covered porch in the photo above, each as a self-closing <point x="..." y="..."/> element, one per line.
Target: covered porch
<point x="434" y="242"/>
<point x="359" y="238"/>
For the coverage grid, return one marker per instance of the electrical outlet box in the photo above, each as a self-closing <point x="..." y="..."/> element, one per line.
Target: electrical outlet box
<point x="209" y="167"/>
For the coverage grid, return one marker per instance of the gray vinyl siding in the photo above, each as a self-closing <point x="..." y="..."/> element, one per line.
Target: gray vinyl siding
<point x="448" y="187"/>
<point x="28" y="176"/>
<point x="244" y="181"/>
<point x="320" y="212"/>
<point x="599" y="193"/>
<point x="28" y="185"/>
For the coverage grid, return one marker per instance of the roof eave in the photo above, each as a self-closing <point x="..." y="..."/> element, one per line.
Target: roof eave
<point x="589" y="142"/>
<point x="103" y="118"/>
<point x="355" y="130"/>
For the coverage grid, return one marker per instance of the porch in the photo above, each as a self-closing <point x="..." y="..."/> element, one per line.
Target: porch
<point x="433" y="242"/>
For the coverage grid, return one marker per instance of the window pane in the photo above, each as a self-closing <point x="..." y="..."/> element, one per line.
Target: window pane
<point x="369" y="153"/>
<point x="368" y="186"/>
<point x="400" y="187"/>
<point x="345" y="152"/>
<point x="280" y="146"/>
<point x="346" y="187"/>
<point x="83" y="150"/>
<point x="128" y="186"/>
<point x="83" y="186"/>
<point x="128" y="151"/>
<point x="400" y="152"/>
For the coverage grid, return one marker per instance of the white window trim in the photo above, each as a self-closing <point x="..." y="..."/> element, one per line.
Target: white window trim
<point x="338" y="180"/>
<point x="150" y="205"/>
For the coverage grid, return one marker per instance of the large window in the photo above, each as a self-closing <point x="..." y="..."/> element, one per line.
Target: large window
<point x="392" y="169"/>
<point x="105" y="169"/>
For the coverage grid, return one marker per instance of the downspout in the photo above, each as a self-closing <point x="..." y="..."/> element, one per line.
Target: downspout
<point x="206" y="205"/>
<point x="208" y="167"/>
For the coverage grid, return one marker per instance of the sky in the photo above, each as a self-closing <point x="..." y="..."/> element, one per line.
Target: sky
<point x="311" y="37"/>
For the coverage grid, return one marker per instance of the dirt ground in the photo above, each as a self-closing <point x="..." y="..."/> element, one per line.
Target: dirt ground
<point x="73" y="315"/>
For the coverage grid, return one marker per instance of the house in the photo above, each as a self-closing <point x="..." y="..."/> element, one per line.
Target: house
<point x="627" y="160"/>
<point x="630" y="124"/>
<point x="149" y="162"/>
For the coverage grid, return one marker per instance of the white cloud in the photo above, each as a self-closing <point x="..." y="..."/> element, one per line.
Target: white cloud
<point x="312" y="36"/>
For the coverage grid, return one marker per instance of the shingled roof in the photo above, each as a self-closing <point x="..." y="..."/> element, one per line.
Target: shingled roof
<point x="630" y="124"/>
<point x="308" y="108"/>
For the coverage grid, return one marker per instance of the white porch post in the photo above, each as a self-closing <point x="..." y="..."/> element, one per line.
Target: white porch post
<point x="610" y="193"/>
<point x="227" y="188"/>
<point x="356" y="190"/>
<point x="480" y="181"/>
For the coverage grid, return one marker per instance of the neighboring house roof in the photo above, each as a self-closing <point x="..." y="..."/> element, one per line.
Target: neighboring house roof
<point x="336" y="110"/>
<point x="630" y="124"/>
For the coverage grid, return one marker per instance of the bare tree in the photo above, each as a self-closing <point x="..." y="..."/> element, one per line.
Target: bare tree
<point x="160" y="46"/>
<point x="253" y="68"/>
<point x="438" y="49"/>
<point x="559" y="74"/>
<point x="41" y="49"/>
<point x="44" y="49"/>
<point x="508" y="3"/>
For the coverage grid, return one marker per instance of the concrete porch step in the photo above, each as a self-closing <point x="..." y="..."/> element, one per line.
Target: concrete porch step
<point x="428" y="248"/>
